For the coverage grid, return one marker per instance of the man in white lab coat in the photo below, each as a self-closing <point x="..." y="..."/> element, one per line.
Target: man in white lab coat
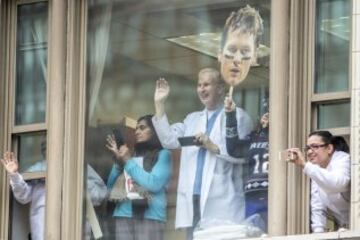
<point x="210" y="182"/>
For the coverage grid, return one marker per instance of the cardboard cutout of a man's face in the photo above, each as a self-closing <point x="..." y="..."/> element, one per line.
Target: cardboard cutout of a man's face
<point x="236" y="57"/>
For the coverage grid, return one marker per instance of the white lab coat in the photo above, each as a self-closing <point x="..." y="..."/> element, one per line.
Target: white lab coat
<point x="330" y="188"/>
<point x="222" y="197"/>
<point x="33" y="192"/>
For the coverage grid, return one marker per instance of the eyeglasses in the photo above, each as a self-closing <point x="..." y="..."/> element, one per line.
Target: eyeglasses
<point x="314" y="147"/>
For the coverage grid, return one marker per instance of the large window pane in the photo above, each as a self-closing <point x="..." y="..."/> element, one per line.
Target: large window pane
<point x="332" y="45"/>
<point x="32" y="152"/>
<point x="333" y="115"/>
<point x="130" y="46"/>
<point x="28" y="189"/>
<point x="31" y="61"/>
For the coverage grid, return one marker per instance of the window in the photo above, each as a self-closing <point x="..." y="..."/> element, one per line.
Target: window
<point x="28" y="131"/>
<point x="330" y="88"/>
<point x="331" y="92"/>
<point x="130" y="46"/>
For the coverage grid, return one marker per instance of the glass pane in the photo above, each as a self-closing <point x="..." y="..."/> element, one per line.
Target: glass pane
<point x="31" y="64"/>
<point x="332" y="46"/>
<point x="333" y="115"/>
<point x="28" y="192"/>
<point x="32" y="152"/>
<point x="20" y="220"/>
<point x="130" y="46"/>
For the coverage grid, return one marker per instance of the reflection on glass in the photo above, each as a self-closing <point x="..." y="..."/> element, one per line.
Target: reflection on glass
<point x="32" y="152"/>
<point x="129" y="50"/>
<point x="20" y="220"/>
<point x="333" y="115"/>
<point x="332" y="46"/>
<point x="31" y="63"/>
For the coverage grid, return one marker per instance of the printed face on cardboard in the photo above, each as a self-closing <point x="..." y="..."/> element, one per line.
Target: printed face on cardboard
<point x="236" y="57"/>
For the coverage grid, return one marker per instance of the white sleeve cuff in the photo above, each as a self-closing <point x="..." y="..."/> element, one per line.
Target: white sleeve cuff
<point x="16" y="178"/>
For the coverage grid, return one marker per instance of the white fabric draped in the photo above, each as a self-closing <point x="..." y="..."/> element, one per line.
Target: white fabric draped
<point x="98" y="40"/>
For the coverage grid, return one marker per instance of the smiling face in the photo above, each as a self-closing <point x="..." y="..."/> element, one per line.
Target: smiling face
<point x="236" y="56"/>
<point x="142" y="132"/>
<point x="319" y="153"/>
<point x="209" y="91"/>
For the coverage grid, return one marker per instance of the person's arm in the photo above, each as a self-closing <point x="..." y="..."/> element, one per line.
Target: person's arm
<point x="220" y="149"/>
<point x="318" y="210"/>
<point x="162" y="91"/>
<point x="334" y="181"/>
<point x="95" y="186"/>
<point x="21" y="189"/>
<point x="159" y="176"/>
<point x="244" y="127"/>
<point x="168" y="135"/>
<point x="115" y="172"/>
<point x="235" y="147"/>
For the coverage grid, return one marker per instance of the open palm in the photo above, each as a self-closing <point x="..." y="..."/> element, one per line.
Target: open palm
<point x="10" y="162"/>
<point x="162" y="90"/>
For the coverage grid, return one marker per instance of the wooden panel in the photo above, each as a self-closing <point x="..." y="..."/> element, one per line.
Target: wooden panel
<point x="29" y="128"/>
<point x="279" y="75"/>
<point x="33" y="175"/>
<point x="330" y="96"/>
<point x="56" y="118"/>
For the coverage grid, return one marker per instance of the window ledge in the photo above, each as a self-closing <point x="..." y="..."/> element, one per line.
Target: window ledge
<point x="350" y="235"/>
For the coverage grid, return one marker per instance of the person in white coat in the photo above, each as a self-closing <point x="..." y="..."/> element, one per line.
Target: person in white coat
<point x="329" y="170"/>
<point x="210" y="181"/>
<point x="33" y="191"/>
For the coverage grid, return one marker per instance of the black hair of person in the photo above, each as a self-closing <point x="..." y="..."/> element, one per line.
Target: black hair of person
<point x="151" y="146"/>
<point x="149" y="151"/>
<point x="338" y="142"/>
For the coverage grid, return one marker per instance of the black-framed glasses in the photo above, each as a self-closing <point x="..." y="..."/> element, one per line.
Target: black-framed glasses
<point x="314" y="147"/>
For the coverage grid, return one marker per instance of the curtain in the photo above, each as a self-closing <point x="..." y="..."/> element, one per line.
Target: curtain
<point x="98" y="43"/>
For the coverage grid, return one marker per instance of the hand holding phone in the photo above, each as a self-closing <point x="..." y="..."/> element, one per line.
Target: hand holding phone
<point x="188" y="141"/>
<point x="119" y="139"/>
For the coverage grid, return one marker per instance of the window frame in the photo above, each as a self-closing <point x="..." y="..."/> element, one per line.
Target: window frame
<point x="303" y="77"/>
<point x="304" y="20"/>
<point x="16" y="130"/>
<point x="9" y="129"/>
<point x="67" y="117"/>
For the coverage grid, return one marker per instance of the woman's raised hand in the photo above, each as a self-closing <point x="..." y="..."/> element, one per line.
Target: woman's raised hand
<point x="121" y="153"/>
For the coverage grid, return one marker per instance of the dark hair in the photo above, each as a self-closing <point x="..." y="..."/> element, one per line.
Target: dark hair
<point x="153" y="142"/>
<point x="247" y="20"/>
<point x="338" y="142"/>
<point x="149" y="148"/>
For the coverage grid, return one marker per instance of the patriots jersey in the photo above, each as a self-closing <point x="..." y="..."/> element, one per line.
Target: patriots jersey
<point x="257" y="162"/>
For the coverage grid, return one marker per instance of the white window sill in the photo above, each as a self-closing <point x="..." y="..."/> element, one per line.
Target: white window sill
<point x="350" y="235"/>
